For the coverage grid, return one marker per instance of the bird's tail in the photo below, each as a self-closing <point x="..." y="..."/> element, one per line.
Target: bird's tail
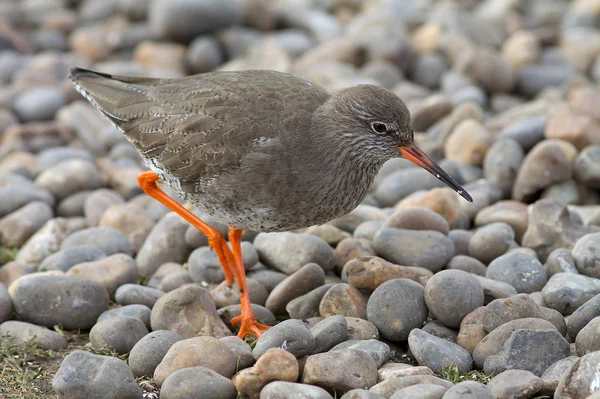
<point x="119" y="98"/>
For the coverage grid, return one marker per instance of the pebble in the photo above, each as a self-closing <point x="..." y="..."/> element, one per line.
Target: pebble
<point x="587" y="338"/>
<point x="583" y="315"/>
<point x="131" y="294"/>
<point x="328" y="333"/>
<point x="393" y="316"/>
<point x="38" y="103"/>
<point x="368" y="273"/>
<point x="165" y="243"/>
<point x="420" y="391"/>
<point x="17" y="227"/>
<point x="274" y="248"/>
<point x="107" y="239"/>
<point x="275" y="365"/>
<point x="195" y="382"/>
<point x="529" y="349"/>
<point x="241" y="350"/>
<point x="223" y="295"/>
<point x="284" y="390"/>
<point x="110" y="272"/>
<point x="392" y="370"/>
<point x="140" y="312"/>
<point x="469" y="390"/>
<point x="178" y="21"/>
<point x="560" y="261"/>
<point x="47" y="300"/>
<point x="328" y="233"/>
<point x="467" y="264"/>
<point x="97" y="203"/>
<point x="527" y="133"/>
<point x="515" y="384"/>
<point x="512" y="213"/>
<point x="452" y="294"/>
<point x="269" y="278"/>
<point x="361" y="329"/>
<point x="548" y="163"/>
<point x="64" y="259"/>
<point x="82" y="374"/>
<point x="307" y="305"/>
<point x="468" y="143"/>
<point x="345" y="300"/>
<point x="389" y="387"/>
<point x="554" y="373"/>
<point x="323" y="370"/>
<point x="501" y="311"/>
<point x="490" y="70"/>
<point x="437" y="353"/>
<point x="491" y="241"/>
<point x="494" y="342"/>
<point x="461" y="239"/>
<point x="417" y="218"/>
<point x="119" y="333"/>
<point x="307" y="278"/>
<point x="586" y="167"/>
<point x="368" y="229"/>
<point x="352" y="248"/>
<point x="198" y="351"/>
<point x="575" y="128"/>
<point x="174" y="281"/>
<point x="290" y="335"/>
<point x="493" y="289"/>
<point x="429" y="249"/>
<point x="586" y="254"/>
<point x="18" y="333"/>
<point x="149" y="351"/>
<point x="398" y="185"/>
<point x="566" y="292"/>
<point x="189" y="311"/>
<point x="204" y="54"/>
<point x="44" y="242"/>
<point x="69" y="177"/>
<point x="552" y="226"/>
<point x="6" y="307"/>
<point x="522" y="271"/>
<point x="72" y="205"/>
<point x="471" y="330"/>
<point x="378" y="350"/>
<point x="579" y="381"/>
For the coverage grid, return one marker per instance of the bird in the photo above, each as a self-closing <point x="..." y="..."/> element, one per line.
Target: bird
<point x="256" y="149"/>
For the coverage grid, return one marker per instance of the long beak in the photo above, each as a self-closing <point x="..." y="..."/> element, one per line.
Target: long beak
<point x="418" y="157"/>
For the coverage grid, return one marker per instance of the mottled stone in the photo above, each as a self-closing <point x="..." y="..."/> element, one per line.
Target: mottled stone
<point x="188" y="311"/>
<point x="198" y="351"/>
<point x="323" y="370"/>
<point x="82" y="374"/>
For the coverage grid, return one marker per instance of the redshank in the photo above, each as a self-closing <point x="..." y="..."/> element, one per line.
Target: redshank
<point x="259" y="150"/>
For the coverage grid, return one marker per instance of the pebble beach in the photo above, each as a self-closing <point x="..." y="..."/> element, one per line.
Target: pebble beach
<point x="416" y="294"/>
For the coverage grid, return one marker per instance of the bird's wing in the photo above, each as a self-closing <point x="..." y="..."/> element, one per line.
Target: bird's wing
<point x="201" y="125"/>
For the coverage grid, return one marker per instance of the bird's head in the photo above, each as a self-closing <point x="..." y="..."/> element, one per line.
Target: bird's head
<point x="376" y="122"/>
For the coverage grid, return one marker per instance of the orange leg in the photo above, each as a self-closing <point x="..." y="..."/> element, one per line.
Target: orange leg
<point x="147" y="181"/>
<point x="249" y="326"/>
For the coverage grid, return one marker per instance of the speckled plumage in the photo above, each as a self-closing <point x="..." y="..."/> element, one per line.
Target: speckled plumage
<point x="260" y="150"/>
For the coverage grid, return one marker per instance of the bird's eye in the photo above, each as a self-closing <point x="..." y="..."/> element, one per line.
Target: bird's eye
<point x="379" y="127"/>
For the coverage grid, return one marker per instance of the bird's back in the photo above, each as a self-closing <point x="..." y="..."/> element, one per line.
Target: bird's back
<point x="199" y="126"/>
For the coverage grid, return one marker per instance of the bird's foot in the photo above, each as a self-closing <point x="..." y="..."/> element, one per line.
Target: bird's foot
<point x="249" y="326"/>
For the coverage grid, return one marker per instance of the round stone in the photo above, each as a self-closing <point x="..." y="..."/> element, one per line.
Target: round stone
<point x="390" y="311"/>
<point x="524" y="272"/>
<point x="452" y="294"/>
<point x="120" y="333"/>
<point x="491" y="241"/>
<point x="150" y="350"/>
<point x="586" y="253"/>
